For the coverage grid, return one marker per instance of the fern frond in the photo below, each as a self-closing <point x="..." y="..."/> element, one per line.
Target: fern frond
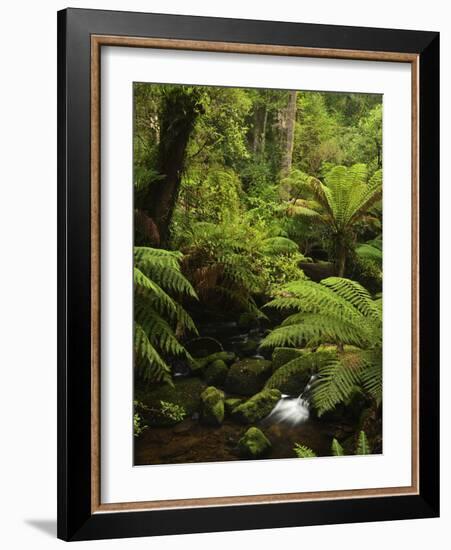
<point x="363" y="447"/>
<point x="305" y="364"/>
<point x="335" y="384"/>
<point x="371" y="378"/>
<point x="150" y="364"/>
<point x="336" y="448"/>
<point x="279" y="245"/>
<point x="354" y="293"/>
<point x="302" y="451"/>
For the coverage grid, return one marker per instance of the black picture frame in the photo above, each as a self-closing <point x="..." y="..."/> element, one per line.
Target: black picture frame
<point x="75" y="518"/>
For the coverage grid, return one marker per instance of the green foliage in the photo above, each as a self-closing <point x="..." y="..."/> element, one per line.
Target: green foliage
<point x="371" y="251"/>
<point x="363" y="447"/>
<point x="172" y="411"/>
<point x="301" y="368"/>
<point x="338" y="205"/>
<point x="138" y="424"/>
<point x="336" y="448"/>
<point x="336" y="311"/>
<point x="303" y="452"/>
<point x="159" y="318"/>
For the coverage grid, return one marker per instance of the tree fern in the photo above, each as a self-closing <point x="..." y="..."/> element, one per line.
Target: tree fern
<point x="336" y="311"/>
<point x="339" y="203"/>
<point x="159" y="318"/>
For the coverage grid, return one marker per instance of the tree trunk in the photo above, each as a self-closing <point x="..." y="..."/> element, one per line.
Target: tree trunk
<point x="178" y="116"/>
<point x="287" y="125"/>
<point x="341" y="262"/>
<point x="260" y="122"/>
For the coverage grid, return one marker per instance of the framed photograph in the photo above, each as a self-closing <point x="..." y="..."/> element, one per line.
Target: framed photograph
<point x="248" y="274"/>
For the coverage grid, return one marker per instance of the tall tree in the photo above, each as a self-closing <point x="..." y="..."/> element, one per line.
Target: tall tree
<point x="287" y="120"/>
<point x="179" y="110"/>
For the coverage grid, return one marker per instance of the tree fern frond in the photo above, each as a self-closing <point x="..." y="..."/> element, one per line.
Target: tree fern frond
<point x="305" y="364"/>
<point x="335" y="384"/>
<point x="150" y="363"/>
<point x="159" y="318"/>
<point x="355" y="294"/>
<point x="371" y="378"/>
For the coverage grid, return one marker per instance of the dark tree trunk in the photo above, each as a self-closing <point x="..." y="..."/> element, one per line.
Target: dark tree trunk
<point x="341" y="261"/>
<point x="178" y="116"/>
<point x="287" y="125"/>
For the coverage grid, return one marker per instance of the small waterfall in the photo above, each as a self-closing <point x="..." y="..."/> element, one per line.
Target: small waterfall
<point x="292" y="410"/>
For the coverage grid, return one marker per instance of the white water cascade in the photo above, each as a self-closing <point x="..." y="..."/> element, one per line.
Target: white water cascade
<point x="292" y="410"/>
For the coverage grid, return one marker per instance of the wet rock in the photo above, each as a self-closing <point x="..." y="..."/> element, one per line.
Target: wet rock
<point x="203" y="346"/>
<point x="254" y="444"/>
<point x="216" y="373"/>
<point x="257" y="407"/>
<point x="282" y="356"/>
<point x="212" y="410"/>
<point x="247" y="377"/>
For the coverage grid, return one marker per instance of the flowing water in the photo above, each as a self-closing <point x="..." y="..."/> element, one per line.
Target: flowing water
<point x="289" y="422"/>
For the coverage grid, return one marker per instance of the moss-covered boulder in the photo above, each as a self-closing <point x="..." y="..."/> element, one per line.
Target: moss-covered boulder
<point x="212" y="409"/>
<point x="185" y="394"/>
<point x="203" y="346"/>
<point x="248" y="376"/>
<point x="254" y="444"/>
<point x="257" y="407"/>
<point x="215" y="373"/>
<point x="282" y="356"/>
<point x="231" y="403"/>
<point x="198" y="365"/>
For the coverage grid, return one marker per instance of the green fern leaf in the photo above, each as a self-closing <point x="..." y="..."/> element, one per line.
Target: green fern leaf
<point x="303" y="452"/>
<point x="336" y="448"/>
<point x="363" y="447"/>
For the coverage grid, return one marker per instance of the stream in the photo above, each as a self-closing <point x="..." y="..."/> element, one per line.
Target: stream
<point x="288" y="423"/>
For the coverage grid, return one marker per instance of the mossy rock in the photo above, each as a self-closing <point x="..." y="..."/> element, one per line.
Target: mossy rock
<point x="247" y="320"/>
<point x="215" y="373"/>
<point x="185" y="393"/>
<point x="231" y="403"/>
<point x="248" y="376"/>
<point x="212" y="410"/>
<point x="254" y="444"/>
<point x="198" y="365"/>
<point x="203" y="346"/>
<point x="257" y="407"/>
<point x="282" y="356"/>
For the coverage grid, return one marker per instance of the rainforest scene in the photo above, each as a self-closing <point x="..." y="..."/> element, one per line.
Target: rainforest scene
<point x="257" y="274"/>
